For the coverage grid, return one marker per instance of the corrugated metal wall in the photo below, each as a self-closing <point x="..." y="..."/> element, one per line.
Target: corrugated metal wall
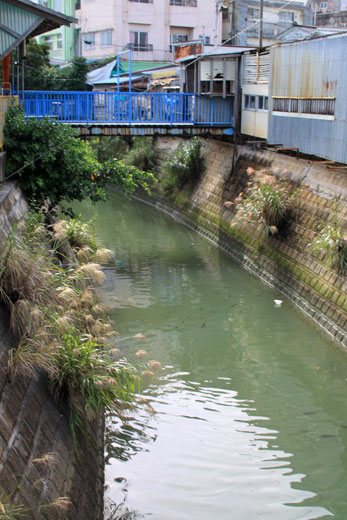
<point x="16" y="19"/>
<point x="305" y="70"/>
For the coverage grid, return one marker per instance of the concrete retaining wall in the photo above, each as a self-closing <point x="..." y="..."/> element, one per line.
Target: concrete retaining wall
<point x="286" y="263"/>
<point x="33" y="425"/>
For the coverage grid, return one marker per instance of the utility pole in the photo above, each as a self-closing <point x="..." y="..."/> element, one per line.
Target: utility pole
<point x="261" y="24"/>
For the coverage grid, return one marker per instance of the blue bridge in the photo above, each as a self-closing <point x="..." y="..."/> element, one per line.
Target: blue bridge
<point x="143" y="113"/>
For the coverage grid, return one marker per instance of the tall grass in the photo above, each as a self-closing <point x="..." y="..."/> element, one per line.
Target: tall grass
<point x="266" y="203"/>
<point x="331" y="241"/>
<point x="141" y="154"/>
<point x="61" y="326"/>
<point x="186" y="163"/>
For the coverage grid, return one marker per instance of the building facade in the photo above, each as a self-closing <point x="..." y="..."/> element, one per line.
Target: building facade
<point x="307" y="101"/>
<point x="62" y="41"/>
<point x="147" y="27"/>
<point x="241" y="20"/>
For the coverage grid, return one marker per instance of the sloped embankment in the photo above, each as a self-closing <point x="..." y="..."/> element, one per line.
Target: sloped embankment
<point x="285" y="261"/>
<point x="38" y="461"/>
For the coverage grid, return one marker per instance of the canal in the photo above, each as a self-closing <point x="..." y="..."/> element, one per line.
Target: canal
<point x="246" y="418"/>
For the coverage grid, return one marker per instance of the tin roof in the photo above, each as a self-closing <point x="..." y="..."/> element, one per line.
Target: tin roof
<point x="23" y="18"/>
<point x="108" y="73"/>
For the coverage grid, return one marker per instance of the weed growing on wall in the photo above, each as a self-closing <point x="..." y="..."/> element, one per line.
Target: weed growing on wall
<point x="141" y="154"/>
<point x="10" y="511"/>
<point x="185" y="164"/>
<point x="109" y="147"/>
<point x="62" y="328"/>
<point x="331" y="241"/>
<point x="266" y="201"/>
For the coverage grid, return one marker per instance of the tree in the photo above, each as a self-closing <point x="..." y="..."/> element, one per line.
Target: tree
<point x="52" y="164"/>
<point x="41" y="75"/>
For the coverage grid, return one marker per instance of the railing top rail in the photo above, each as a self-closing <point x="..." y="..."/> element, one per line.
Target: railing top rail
<point x="97" y="92"/>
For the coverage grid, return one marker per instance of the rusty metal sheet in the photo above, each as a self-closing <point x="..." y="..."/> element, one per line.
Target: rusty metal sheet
<point x="189" y="49"/>
<point x="89" y="131"/>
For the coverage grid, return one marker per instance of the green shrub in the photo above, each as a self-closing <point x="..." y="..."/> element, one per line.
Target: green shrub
<point x="52" y="164"/>
<point x="333" y="243"/>
<point x="109" y="147"/>
<point x="185" y="164"/>
<point x="141" y="154"/>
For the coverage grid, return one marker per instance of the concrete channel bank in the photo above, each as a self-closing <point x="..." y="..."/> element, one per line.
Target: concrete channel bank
<point x="33" y="426"/>
<point x="285" y="263"/>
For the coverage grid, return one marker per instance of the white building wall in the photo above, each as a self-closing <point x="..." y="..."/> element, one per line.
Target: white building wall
<point x="159" y="19"/>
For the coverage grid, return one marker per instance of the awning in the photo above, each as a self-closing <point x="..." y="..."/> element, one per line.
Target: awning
<point x="20" y="19"/>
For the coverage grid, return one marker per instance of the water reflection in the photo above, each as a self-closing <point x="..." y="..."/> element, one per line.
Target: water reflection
<point x="247" y="417"/>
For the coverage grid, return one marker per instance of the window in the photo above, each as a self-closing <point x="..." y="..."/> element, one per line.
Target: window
<point x="57" y="5"/>
<point x="89" y="41"/>
<point x="139" y="41"/>
<point x="320" y="106"/>
<point x="249" y="102"/>
<point x="225" y="13"/>
<point x="205" y="39"/>
<point x="286" y="17"/>
<point x="106" y="38"/>
<point x="263" y="102"/>
<point x="184" y="3"/>
<point x="142" y="1"/>
<point x="178" y="38"/>
<point x="253" y="13"/>
<point x="59" y="41"/>
<point x="323" y="5"/>
<point x="49" y="41"/>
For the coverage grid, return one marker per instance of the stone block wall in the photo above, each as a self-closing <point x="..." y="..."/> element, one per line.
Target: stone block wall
<point x="284" y="262"/>
<point x="34" y="426"/>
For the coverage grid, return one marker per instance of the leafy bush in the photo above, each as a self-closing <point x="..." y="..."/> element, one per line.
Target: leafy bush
<point x="141" y="154"/>
<point x="186" y="163"/>
<point x="331" y="241"/>
<point x="52" y="164"/>
<point x="108" y="147"/>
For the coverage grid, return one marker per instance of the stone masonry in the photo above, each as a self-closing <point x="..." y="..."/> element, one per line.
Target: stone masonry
<point x="34" y="426"/>
<point x="286" y="263"/>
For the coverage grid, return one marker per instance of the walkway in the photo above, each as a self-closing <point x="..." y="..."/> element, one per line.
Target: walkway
<point x="136" y="113"/>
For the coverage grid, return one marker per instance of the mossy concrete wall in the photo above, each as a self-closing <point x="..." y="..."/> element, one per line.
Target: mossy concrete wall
<point x="285" y="262"/>
<point x="33" y="425"/>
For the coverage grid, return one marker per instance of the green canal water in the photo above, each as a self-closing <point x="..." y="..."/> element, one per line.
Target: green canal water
<point x="246" y="418"/>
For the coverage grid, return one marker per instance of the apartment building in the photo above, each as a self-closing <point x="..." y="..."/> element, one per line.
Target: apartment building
<point x="61" y="41"/>
<point x="241" y="18"/>
<point x="147" y="27"/>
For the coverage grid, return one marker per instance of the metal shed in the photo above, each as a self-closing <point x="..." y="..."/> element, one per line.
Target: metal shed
<point x="308" y="102"/>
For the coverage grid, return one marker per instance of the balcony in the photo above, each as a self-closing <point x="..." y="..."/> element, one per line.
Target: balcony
<point x="140" y="47"/>
<point x="184" y="3"/>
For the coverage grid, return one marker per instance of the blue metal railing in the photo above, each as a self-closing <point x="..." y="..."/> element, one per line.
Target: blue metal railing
<point x="129" y="108"/>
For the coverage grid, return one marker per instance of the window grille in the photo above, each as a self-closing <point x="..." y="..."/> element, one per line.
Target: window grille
<point x="322" y="106"/>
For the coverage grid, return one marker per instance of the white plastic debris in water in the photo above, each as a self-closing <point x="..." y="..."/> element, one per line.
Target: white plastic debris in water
<point x="278" y="303"/>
